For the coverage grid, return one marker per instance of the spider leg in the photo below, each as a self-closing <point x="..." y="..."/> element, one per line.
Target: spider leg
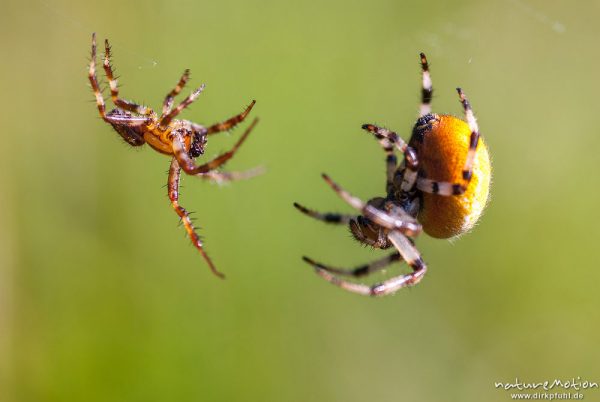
<point x="406" y="224"/>
<point x="173" y="186"/>
<point x="359" y="271"/>
<point x="94" y="81"/>
<point x="166" y="119"/>
<point x="406" y="251"/>
<point x="427" y="89"/>
<point x="447" y="188"/>
<point x="231" y="122"/>
<point x="325" y="217"/>
<point x="409" y="175"/>
<point x="474" y="140"/>
<point x="114" y="89"/>
<point x="168" y="102"/>
<point x="222" y="177"/>
<point x="187" y="163"/>
<point x="387" y="139"/>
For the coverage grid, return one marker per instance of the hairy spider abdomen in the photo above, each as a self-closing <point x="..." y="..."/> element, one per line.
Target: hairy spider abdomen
<point x="442" y="148"/>
<point x="133" y="135"/>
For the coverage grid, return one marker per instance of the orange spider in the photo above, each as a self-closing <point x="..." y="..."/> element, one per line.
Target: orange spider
<point x="440" y="188"/>
<point x="182" y="139"/>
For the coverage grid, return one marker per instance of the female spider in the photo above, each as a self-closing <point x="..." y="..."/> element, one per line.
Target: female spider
<point x="181" y="139"/>
<point x="441" y="188"/>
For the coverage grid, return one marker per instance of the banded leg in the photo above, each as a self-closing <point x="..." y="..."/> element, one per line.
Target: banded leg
<point x="427" y="88"/>
<point x="440" y="187"/>
<point x="166" y="119"/>
<point x="114" y="89"/>
<point x="383" y="134"/>
<point x="173" y="186"/>
<point x="447" y="188"/>
<point x="94" y="81"/>
<point x="168" y="102"/>
<point x="231" y="122"/>
<point x="406" y="224"/>
<point x="187" y="163"/>
<point x="335" y="218"/>
<point x="407" y="252"/>
<point x="357" y="272"/>
<point x="387" y="139"/>
<point x="409" y="175"/>
<point x="474" y="139"/>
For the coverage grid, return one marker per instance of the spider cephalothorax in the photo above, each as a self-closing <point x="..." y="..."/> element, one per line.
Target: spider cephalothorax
<point x="182" y="139"/>
<point x="440" y="188"/>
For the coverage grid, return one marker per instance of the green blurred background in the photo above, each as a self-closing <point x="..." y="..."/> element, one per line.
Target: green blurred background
<point x="102" y="298"/>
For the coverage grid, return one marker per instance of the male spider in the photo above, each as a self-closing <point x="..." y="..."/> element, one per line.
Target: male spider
<point x="182" y="139"/>
<point x="441" y="188"/>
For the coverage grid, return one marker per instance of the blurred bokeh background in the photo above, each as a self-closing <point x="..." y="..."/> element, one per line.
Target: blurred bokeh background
<point x="102" y="297"/>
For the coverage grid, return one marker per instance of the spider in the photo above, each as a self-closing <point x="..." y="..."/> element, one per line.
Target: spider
<point x="181" y="139"/>
<point x="441" y="188"/>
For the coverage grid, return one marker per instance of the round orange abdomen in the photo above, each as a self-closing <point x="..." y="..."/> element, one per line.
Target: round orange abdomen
<point x="442" y="153"/>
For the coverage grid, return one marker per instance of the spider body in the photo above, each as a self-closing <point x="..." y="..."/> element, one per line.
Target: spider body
<point x="442" y="144"/>
<point x="183" y="140"/>
<point x="441" y="187"/>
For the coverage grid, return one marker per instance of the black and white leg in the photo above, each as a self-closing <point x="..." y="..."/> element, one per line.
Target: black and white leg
<point x="447" y="188"/>
<point x="328" y="217"/>
<point x="406" y="224"/>
<point x="362" y="270"/>
<point x="406" y="251"/>
<point x="473" y="140"/>
<point x="189" y="166"/>
<point x="427" y="88"/>
<point x="388" y="140"/>
<point x="168" y="102"/>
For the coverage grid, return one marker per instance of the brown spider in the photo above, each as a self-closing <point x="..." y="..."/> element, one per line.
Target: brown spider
<point x="440" y="188"/>
<point x="182" y="139"/>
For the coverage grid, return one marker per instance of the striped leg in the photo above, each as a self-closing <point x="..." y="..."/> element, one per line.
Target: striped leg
<point x="168" y="102"/>
<point x="232" y="122"/>
<point x="446" y="188"/>
<point x="187" y="163"/>
<point x="409" y="175"/>
<point x="114" y="89"/>
<point x="357" y="272"/>
<point x="427" y="89"/>
<point x="94" y="81"/>
<point x="166" y="119"/>
<point x="387" y="139"/>
<point x="474" y="140"/>
<point x="407" y="252"/>
<point x="173" y="186"/>
<point x="406" y="224"/>
<point x="325" y="217"/>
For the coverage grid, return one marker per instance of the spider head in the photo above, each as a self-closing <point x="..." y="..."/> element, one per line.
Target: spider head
<point x="422" y="126"/>
<point x="198" y="143"/>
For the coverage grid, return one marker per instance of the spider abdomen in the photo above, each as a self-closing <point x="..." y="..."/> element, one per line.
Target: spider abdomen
<point x="133" y="135"/>
<point x="442" y="150"/>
